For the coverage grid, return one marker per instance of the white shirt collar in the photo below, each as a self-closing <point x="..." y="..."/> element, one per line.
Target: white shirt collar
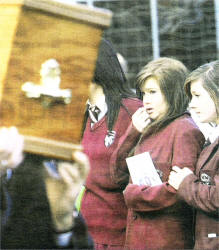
<point x="101" y="104"/>
<point x="209" y="130"/>
<point x="214" y="132"/>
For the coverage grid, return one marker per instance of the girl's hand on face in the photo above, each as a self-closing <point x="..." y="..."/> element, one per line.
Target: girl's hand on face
<point x="140" y="119"/>
<point x="177" y="175"/>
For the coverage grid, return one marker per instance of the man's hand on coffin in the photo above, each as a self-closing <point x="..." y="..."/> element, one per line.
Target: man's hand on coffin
<point x="11" y="148"/>
<point x="63" y="188"/>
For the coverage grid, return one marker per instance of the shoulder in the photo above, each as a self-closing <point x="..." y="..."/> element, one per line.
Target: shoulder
<point x="132" y="100"/>
<point x="184" y="126"/>
<point x="127" y="109"/>
<point x="184" y="123"/>
<point x="213" y="147"/>
<point x="131" y="104"/>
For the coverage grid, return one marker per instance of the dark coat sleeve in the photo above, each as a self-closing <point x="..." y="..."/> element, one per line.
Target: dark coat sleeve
<point x="29" y="225"/>
<point x="200" y="196"/>
<point x="81" y="239"/>
<point x="194" y="191"/>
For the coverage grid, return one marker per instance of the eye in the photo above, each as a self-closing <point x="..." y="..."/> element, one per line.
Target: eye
<point x="152" y="91"/>
<point x="195" y="95"/>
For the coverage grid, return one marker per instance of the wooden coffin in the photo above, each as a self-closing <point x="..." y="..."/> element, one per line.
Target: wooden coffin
<point x="31" y="33"/>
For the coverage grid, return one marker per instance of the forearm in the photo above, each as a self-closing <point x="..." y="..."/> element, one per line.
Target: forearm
<point x="145" y="198"/>
<point x="198" y="195"/>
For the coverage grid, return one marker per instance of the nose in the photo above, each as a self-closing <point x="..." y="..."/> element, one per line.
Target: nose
<point x="146" y="99"/>
<point x="192" y="103"/>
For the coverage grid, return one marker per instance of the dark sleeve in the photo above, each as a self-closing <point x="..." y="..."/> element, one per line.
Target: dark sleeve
<point x="80" y="237"/>
<point x="200" y="196"/>
<point x="29" y="225"/>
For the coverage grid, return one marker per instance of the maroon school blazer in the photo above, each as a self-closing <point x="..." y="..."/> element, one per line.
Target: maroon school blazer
<point x="103" y="206"/>
<point x="201" y="190"/>
<point x="156" y="218"/>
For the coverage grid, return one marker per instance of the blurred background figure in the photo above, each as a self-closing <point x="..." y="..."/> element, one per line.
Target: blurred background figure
<point x="11" y="155"/>
<point x="37" y="199"/>
<point x="62" y="190"/>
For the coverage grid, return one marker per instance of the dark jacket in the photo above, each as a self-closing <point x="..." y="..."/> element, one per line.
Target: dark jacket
<point x="28" y="223"/>
<point x="156" y="219"/>
<point x="201" y="190"/>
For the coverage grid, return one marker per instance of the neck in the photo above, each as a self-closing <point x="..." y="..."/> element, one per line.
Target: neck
<point x="96" y="97"/>
<point x="216" y="122"/>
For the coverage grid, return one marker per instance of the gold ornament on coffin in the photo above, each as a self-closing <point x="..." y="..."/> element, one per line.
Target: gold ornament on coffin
<point x="48" y="91"/>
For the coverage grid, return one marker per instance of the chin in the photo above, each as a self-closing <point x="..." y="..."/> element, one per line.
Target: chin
<point x="203" y="120"/>
<point x="152" y="117"/>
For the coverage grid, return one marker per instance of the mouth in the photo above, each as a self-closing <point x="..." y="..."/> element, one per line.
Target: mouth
<point x="149" y="110"/>
<point x="197" y="113"/>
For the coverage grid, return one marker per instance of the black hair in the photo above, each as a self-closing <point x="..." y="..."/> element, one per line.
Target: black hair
<point x="110" y="76"/>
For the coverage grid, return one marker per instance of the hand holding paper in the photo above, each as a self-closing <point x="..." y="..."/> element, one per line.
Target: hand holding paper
<point x="142" y="170"/>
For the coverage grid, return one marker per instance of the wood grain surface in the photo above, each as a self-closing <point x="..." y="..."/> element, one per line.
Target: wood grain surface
<point x="33" y="38"/>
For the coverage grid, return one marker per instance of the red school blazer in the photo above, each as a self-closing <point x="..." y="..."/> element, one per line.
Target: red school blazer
<point x="201" y="191"/>
<point x="156" y="218"/>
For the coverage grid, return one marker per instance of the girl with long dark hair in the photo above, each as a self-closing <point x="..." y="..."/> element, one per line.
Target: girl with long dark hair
<point x="109" y="110"/>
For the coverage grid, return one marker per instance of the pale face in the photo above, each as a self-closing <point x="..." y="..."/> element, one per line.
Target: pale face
<point x="95" y="93"/>
<point x="153" y="99"/>
<point x="202" y="103"/>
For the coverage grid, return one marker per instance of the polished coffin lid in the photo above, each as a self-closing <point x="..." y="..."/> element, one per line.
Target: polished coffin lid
<point x="36" y="36"/>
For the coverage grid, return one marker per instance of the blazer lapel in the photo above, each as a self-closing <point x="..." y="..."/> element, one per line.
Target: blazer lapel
<point x="98" y="123"/>
<point x="206" y="154"/>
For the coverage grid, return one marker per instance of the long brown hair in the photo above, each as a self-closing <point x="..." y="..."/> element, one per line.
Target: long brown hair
<point x="170" y="74"/>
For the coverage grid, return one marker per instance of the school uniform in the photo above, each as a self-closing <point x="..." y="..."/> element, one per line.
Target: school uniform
<point x="156" y="218"/>
<point x="103" y="206"/>
<point x="201" y="191"/>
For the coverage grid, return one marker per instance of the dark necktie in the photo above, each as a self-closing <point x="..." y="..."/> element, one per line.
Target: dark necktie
<point x="93" y="113"/>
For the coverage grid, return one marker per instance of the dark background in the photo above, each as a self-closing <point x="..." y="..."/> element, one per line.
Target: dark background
<point x="186" y="31"/>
